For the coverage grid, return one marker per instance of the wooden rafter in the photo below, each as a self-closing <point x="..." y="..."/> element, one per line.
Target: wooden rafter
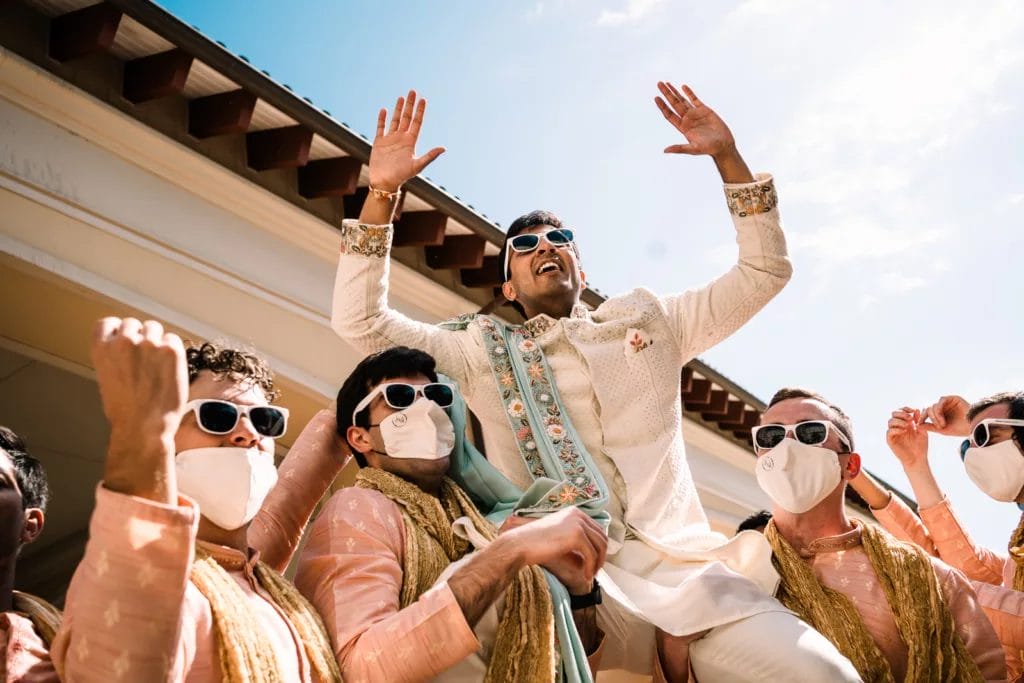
<point x="337" y="177"/>
<point x="420" y="229"/>
<point x="225" y="113"/>
<point x="286" y="147"/>
<point x="486" y="275"/>
<point x="458" y="251"/>
<point x="156" y="76"/>
<point x="84" y="32"/>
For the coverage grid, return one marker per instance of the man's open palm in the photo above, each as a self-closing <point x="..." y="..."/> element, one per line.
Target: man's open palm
<point x="393" y="157"/>
<point x="704" y="131"/>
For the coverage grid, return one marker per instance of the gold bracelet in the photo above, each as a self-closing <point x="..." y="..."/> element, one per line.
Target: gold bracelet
<point x="385" y="195"/>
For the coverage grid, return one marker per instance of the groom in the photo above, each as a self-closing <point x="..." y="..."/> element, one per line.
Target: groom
<point x="582" y="408"/>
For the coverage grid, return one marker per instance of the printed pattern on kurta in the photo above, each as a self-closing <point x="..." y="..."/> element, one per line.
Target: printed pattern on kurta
<point x="351" y="571"/>
<point x="25" y="657"/>
<point x="840" y="563"/>
<point x="939" y="531"/>
<point x="623" y="397"/>
<point x="133" y="615"/>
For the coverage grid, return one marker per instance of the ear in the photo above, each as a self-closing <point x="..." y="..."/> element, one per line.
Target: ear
<point x="34" y="520"/>
<point x="853" y="466"/>
<point x="508" y="290"/>
<point x="359" y="439"/>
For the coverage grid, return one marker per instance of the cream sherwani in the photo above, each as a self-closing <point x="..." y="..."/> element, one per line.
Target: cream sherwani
<point x="617" y="370"/>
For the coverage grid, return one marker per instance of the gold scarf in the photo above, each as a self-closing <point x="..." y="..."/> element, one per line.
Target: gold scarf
<point x="1017" y="553"/>
<point x="935" y="650"/>
<point x="524" y="649"/>
<point x="246" y="654"/>
<point x="44" y="616"/>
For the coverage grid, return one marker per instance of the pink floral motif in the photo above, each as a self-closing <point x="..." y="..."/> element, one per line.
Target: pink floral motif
<point x="524" y="433"/>
<point x="638" y="342"/>
<point x="527" y="346"/>
<point x="535" y="371"/>
<point x="507" y="380"/>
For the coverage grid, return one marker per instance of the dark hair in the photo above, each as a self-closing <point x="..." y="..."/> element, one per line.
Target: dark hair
<point x="234" y="364"/>
<point x="400" y="361"/>
<point x="839" y="418"/>
<point x="524" y="222"/>
<point x="1015" y="399"/>
<point x="28" y="472"/>
<point x="756" y="521"/>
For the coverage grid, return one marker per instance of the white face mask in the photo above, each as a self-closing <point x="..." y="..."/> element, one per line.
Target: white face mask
<point x="998" y="470"/>
<point x="228" y="483"/>
<point x="798" y="476"/>
<point x="423" y="431"/>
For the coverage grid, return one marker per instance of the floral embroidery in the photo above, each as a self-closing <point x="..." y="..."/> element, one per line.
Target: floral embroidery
<point x="578" y="482"/>
<point x="755" y="199"/>
<point x="365" y="240"/>
<point x="636" y="341"/>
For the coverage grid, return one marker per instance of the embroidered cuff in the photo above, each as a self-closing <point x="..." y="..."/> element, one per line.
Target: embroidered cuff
<point x="364" y="239"/>
<point x="749" y="199"/>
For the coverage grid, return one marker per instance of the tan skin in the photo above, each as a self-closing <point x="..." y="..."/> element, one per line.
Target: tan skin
<point x="569" y="544"/>
<point x="827" y="518"/>
<point x="393" y="162"/>
<point x="907" y="437"/>
<point x="18" y="528"/>
<point x="143" y="382"/>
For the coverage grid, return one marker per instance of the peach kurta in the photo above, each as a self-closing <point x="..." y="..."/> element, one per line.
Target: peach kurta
<point x="25" y="659"/>
<point x="939" y="531"/>
<point x="133" y="615"/>
<point x="351" y="570"/>
<point x="840" y="563"/>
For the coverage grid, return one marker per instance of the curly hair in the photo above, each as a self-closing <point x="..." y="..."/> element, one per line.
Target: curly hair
<point x="235" y="364"/>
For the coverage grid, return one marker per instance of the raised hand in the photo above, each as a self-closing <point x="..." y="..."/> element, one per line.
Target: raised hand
<point x="393" y="157"/>
<point x="567" y="543"/>
<point x="948" y="416"/>
<point x="704" y="131"/>
<point x="143" y="383"/>
<point x="908" y="438"/>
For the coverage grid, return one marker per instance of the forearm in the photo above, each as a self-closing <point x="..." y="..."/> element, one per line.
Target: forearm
<point x="305" y="475"/>
<point x="140" y="462"/>
<point x="479" y="583"/>
<point x="732" y="167"/>
<point x="870" y="490"/>
<point x="922" y="481"/>
<point x="379" y="210"/>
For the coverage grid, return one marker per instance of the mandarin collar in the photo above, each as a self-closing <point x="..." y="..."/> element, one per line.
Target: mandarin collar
<point x="542" y="322"/>
<point x="232" y="559"/>
<point x="834" y="544"/>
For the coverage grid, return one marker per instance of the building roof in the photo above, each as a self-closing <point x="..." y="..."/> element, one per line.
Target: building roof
<point x="147" y="63"/>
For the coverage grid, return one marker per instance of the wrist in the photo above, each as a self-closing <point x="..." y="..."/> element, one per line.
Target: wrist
<point x="389" y="186"/>
<point x="512" y="550"/>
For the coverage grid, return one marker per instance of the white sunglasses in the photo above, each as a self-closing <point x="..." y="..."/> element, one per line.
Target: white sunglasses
<point x="401" y="395"/>
<point x="215" y="416"/>
<point x="528" y="241"/>
<point x="810" y="432"/>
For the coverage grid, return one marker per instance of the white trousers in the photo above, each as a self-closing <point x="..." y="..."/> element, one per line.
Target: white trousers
<point x="762" y="648"/>
<point x="773" y="646"/>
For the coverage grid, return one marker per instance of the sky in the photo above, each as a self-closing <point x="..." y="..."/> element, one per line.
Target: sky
<point x="893" y="131"/>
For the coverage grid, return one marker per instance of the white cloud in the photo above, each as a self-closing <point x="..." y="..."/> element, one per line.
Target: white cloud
<point x="634" y="11"/>
<point x="861" y="152"/>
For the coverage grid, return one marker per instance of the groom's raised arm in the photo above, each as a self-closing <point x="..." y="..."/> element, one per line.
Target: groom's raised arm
<point x="360" y="313"/>
<point x="704" y="316"/>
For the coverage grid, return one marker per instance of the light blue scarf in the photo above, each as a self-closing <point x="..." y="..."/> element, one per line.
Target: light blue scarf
<point x="563" y="472"/>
